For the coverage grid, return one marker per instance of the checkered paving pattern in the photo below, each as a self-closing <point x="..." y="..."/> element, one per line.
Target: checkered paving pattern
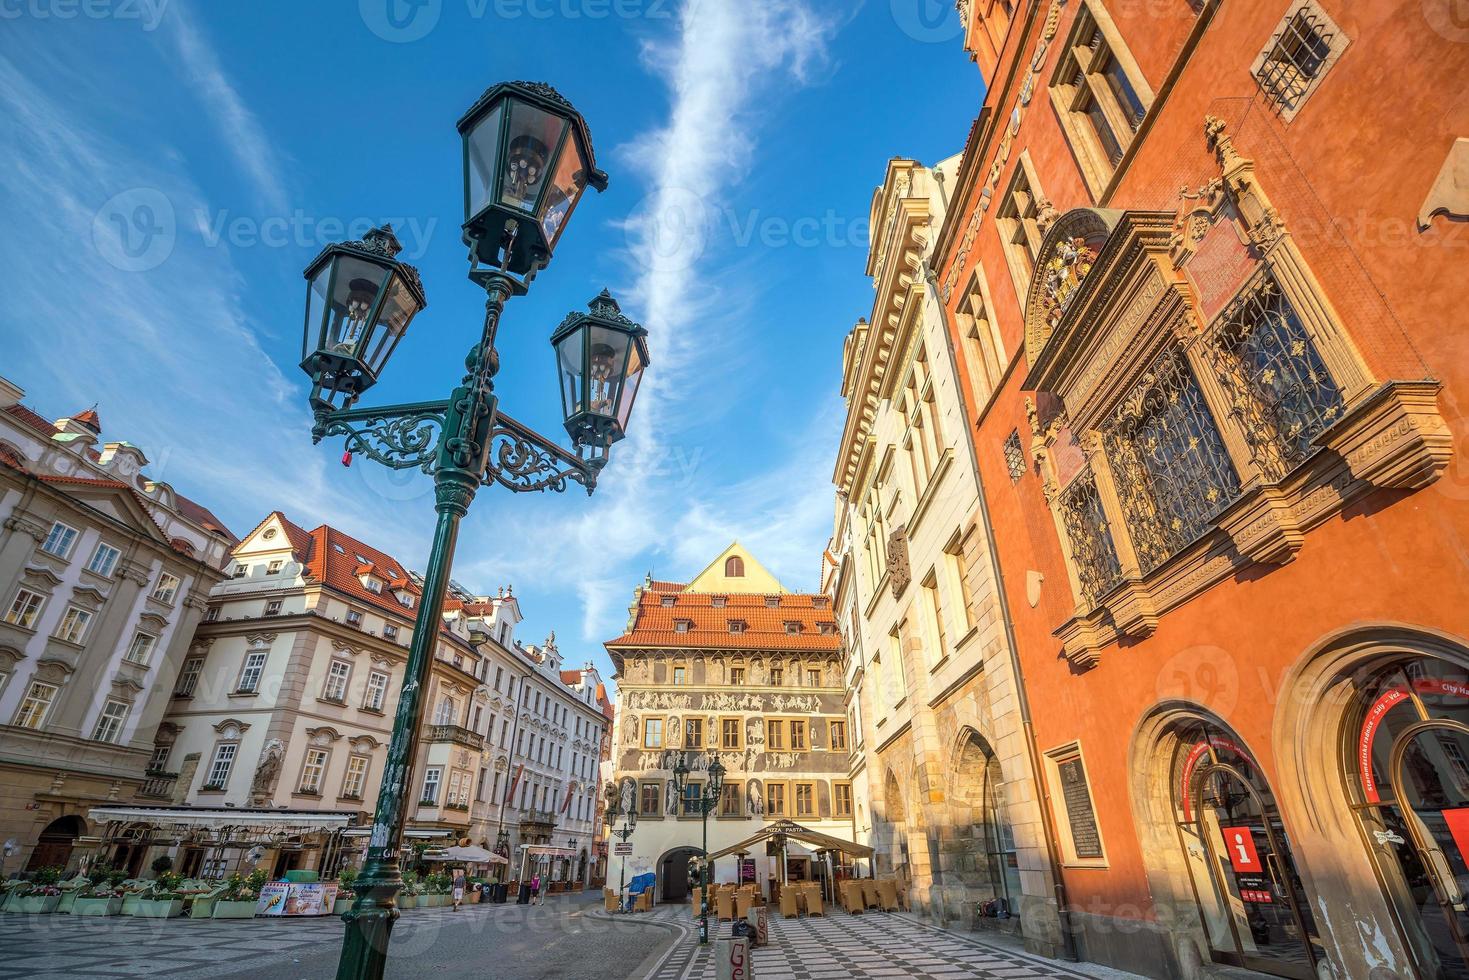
<point x="857" y="947"/>
<point x="61" y="946"/>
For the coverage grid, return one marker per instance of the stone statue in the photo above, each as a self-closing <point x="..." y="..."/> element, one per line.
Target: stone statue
<point x="268" y="770"/>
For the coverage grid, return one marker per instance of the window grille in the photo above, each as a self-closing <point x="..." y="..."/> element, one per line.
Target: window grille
<point x="1172" y="471"/>
<point x="1014" y="457"/>
<point x="1283" y="394"/>
<point x="1295" y="59"/>
<point x="1092" y="551"/>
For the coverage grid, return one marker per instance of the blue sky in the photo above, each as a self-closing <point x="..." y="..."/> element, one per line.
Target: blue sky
<point x="172" y="166"/>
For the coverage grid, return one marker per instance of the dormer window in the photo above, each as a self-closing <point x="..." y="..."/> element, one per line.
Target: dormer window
<point x="772" y="602"/>
<point x="372" y="585"/>
<point x="828" y="629"/>
<point x="738" y="625"/>
<point x="405" y="598"/>
<point x="681" y="625"/>
<point x="354" y="618"/>
<point x="718" y="602"/>
<point x="820" y="602"/>
<point x="667" y="601"/>
<point x="241" y="570"/>
<point x="793" y="626"/>
<point x="274" y="568"/>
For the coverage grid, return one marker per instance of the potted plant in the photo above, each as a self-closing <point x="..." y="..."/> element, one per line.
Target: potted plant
<point x="241" y="895"/>
<point x="71" y="890"/>
<point x="408" y="898"/>
<point x="103" y="898"/>
<point x="133" y="892"/>
<point x="163" y="901"/>
<point x="345" y="895"/>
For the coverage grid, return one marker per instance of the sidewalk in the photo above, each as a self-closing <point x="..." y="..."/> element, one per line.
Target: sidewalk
<point x="873" y="945"/>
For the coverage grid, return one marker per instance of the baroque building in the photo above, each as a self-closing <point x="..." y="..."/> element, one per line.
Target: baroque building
<point x="276" y="734"/>
<point x="1216" y="404"/>
<point x="104" y="574"/>
<point x="942" y="759"/>
<point x="730" y="664"/>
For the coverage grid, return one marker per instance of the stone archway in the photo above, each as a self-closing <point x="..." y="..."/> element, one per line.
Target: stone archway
<point x="673" y="874"/>
<point x="979" y="857"/>
<point x="890" y="826"/>
<point x="1315" y="729"/>
<point x="54" y="846"/>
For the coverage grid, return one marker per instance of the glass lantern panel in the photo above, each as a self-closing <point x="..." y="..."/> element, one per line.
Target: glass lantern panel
<point x="399" y="308"/>
<point x="565" y="190"/>
<point x="316" y="288"/>
<point x="482" y="159"/>
<point x="635" y="366"/>
<point x="533" y="137"/>
<point x="569" y="360"/>
<point x="606" y="357"/>
<point x="354" y="290"/>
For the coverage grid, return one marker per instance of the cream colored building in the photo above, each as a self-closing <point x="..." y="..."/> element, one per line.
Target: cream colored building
<point x="944" y="784"/>
<point x="104" y="575"/>
<point x="732" y="665"/>
<point x="277" y="730"/>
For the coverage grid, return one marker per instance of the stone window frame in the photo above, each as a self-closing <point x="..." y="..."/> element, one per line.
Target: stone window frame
<point x="122" y="720"/>
<point x="111" y="566"/>
<point x="733" y="789"/>
<point x="1390" y="433"/>
<point x="39" y="721"/>
<point x="210" y="784"/>
<point x="1016" y="219"/>
<point x="179" y="690"/>
<point x="168" y="595"/>
<point x="35" y="614"/>
<point x="796" y="785"/>
<point x="739" y="733"/>
<point x="647" y="723"/>
<point x="838" y="812"/>
<point x="785" y="799"/>
<point x="1268" y="71"/>
<point x="71" y="543"/>
<point x="983" y="346"/>
<point x="367" y="691"/>
<point x="128" y="655"/>
<point x="656" y="785"/>
<point x="344" y="792"/>
<point x="77" y="635"/>
<point x="346" y="680"/>
<point x="1077" y="82"/>
<point x="246" y="669"/>
<point x="831" y="729"/>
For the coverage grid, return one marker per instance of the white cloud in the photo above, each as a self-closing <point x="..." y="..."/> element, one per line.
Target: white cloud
<point x="237" y="125"/>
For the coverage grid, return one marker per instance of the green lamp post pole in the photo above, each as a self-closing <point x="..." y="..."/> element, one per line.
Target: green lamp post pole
<point x="707" y="800"/>
<point x="623" y="833"/>
<point x="527" y="158"/>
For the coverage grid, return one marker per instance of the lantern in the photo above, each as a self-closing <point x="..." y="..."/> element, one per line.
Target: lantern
<point x="527" y="159"/>
<point x="600" y="356"/>
<point x="359" y="302"/>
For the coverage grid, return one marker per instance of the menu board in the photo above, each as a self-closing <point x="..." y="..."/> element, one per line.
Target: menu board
<point x="296" y="898"/>
<point x="272" y="900"/>
<point x="1086" y="839"/>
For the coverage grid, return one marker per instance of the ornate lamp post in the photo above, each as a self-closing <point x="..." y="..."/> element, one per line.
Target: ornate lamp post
<point x="706" y="801"/>
<point x="629" y="824"/>
<point x="527" y="160"/>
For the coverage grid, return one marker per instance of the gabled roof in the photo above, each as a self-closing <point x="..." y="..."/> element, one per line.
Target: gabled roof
<point x="709" y="614"/>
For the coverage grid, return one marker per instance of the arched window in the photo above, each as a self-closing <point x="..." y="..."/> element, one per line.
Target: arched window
<point x="734" y="567"/>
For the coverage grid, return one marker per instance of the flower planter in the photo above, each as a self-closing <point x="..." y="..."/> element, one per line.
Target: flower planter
<point x="159" y="908"/>
<point x="97" y="906"/>
<point x="68" y="900"/>
<point x="408" y="901"/>
<point x="434" y="901"/>
<point x="343" y="903"/>
<point x="130" y="902"/>
<point x="36" y="904"/>
<point x="233" y="910"/>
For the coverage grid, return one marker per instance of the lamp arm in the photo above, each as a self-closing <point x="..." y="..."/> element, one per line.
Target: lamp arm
<point x="402" y="437"/>
<point x="525" y="461"/>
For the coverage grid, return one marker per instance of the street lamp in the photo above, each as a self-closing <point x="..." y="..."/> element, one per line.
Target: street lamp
<point x="629" y="824"/>
<point x="527" y="160"/>
<point x="707" y="800"/>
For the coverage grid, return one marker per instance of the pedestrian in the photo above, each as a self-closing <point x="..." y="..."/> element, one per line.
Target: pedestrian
<point x="459" y="884"/>
<point x="535" y="889"/>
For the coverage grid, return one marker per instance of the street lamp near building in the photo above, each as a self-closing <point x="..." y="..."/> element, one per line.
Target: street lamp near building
<point x="706" y="801"/>
<point x="623" y="833"/>
<point x="527" y="160"/>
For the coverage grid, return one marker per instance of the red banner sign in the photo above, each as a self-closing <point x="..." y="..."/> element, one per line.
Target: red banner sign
<point x="1372" y="721"/>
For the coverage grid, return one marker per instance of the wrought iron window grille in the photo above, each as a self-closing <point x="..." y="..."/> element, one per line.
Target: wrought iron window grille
<point x="1092" y="552"/>
<point x="1296" y="58"/>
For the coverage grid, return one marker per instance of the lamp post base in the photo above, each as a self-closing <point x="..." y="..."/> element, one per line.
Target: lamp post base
<point x="370" y="923"/>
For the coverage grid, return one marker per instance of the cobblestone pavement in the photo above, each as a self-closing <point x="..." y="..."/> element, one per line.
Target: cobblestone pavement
<point x="873" y="945"/>
<point x="558" y="940"/>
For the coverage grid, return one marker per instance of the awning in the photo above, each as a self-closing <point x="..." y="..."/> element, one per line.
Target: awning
<point x="549" y="849"/>
<point x="466" y="855"/>
<point x="215" y="818"/>
<point x="795" y="832"/>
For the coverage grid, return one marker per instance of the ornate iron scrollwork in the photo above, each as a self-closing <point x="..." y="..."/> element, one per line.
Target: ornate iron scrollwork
<point x="1090" y="536"/>
<point x="403" y="437"/>
<point x="524" y="461"/>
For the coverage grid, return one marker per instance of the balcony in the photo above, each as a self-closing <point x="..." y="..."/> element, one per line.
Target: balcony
<point x="457" y="735"/>
<point x="157" y="785"/>
<point x="538" y="818"/>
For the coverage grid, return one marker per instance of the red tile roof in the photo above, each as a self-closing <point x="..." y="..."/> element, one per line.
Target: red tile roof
<point x="709" y="624"/>
<point x="31" y="420"/>
<point x="89" y="418"/>
<point x="571" y="678"/>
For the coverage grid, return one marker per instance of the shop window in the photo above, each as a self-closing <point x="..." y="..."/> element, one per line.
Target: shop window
<point x="1251" y="897"/>
<point x="1282" y="392"/>
<point x="1172" y="472"/>
<point x="1100" y="95"/>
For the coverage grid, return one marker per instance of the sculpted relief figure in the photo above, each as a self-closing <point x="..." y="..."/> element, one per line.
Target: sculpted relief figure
<point x="754" y="798"/>
<point x="630" y="730"/>
<point x="675" y="733"/>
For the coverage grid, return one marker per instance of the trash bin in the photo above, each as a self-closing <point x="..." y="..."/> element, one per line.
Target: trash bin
<point x="732" y="958"/>
<point x="502" y="893"/>
<point x="524" y="897"/>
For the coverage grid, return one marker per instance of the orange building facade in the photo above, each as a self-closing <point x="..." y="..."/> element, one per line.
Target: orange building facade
<point x="1204" y="276"/>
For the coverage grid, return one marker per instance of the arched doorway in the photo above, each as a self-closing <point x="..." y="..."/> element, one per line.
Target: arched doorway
<point x="979" y="787"/>
<point x="53" y="848"/>
<point x="1408" y="740"/>
<point x="1251" y="899"/>
<point x="673" y="873"/>
<point x="895" y="816"/>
